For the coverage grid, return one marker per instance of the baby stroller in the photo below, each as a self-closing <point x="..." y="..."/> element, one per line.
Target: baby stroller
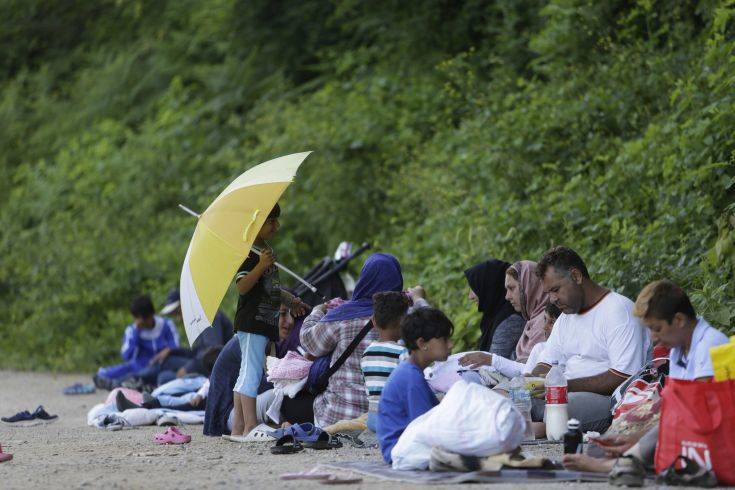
<point x="330" y="276"/>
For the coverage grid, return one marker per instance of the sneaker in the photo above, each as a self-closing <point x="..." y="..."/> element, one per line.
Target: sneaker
<point x="42" y="414"/>
<point x="123" y="403"/>
<point x="23" y="416"/>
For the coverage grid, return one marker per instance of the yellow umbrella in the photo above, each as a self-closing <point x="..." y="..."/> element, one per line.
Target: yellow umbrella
<point x="224" y="236"/>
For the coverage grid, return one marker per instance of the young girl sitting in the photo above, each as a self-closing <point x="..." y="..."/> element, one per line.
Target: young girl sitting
<point x="407" y="395"/>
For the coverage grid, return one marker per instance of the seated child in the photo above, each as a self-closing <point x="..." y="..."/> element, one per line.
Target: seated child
<point x="146" y="343"/>
<point x="407" y="395"/>
<point x="383" y="355"/>
<point x="509" y="368"/>
<point x="185" y="394"/>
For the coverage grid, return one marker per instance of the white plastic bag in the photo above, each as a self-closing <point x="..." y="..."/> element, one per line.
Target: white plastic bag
<point x="471" y="420"/>
<point x="442" y="375"/>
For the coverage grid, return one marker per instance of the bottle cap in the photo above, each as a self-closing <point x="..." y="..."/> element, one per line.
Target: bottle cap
<point x="573" y="424"/>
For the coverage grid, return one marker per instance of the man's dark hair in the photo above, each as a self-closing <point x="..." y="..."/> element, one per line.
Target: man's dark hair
<point x="210" y="357"/>
<point x="275" y="212"/>
<point x="425" y="323"/>
<point x="563" y="259"/>
<point x="662" y="300"/>
<point x="552" y="310"/>
<point x="142" y="307"/>
<point x="389" y="308"/>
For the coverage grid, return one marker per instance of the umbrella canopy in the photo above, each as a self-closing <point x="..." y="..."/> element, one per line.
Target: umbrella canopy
<point x="224" y="235"/>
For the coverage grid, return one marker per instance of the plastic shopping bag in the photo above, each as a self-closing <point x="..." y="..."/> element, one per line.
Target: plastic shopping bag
<point x="471" y="420"/>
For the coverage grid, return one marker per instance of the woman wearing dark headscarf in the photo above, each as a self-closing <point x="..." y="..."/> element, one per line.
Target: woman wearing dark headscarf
<point x="500" y="325"/>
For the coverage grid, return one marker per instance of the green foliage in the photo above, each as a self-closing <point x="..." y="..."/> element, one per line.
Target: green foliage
<point x="444" y="132"/>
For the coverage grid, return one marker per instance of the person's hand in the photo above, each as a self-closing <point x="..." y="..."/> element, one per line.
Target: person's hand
<point x="476" y="359"/>
<point x="417" y="291"/>
<point x="616" y="445"/>
<point x="298" y="307"/>
<point x="196" y="401"/>
<point x="181" y="372"/>
<point x="267" y="258"/>
<point x="161" y="356"/>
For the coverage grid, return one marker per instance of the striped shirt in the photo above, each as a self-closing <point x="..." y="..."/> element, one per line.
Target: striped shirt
<point x="378" y="361"/>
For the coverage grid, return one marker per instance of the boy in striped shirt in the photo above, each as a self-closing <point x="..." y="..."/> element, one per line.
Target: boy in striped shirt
<point x="383" y="355"/>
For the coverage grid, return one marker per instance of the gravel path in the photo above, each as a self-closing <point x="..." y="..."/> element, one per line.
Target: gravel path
<point x="69" y="454"/>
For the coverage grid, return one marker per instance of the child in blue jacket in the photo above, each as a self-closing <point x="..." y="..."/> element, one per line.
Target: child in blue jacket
<point x="145" y="349"/>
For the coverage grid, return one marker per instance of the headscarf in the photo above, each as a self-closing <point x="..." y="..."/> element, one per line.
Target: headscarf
<point x="533" y="303"/>
<point x="487" y="281"/>
<point x="381" y="272"/>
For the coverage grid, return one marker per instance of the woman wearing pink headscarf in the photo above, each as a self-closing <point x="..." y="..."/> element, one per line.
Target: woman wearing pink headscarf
<point x="526" y="293"/>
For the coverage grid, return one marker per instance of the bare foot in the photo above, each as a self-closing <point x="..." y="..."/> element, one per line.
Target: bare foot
<point x="582" y="462"/>
<point x="285" y="425"/>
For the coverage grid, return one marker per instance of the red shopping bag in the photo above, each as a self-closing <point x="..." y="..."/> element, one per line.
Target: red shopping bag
<point x="698" y="421"/>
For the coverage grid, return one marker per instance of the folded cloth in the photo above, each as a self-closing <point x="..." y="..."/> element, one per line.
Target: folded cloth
<point x="293" y="366"/>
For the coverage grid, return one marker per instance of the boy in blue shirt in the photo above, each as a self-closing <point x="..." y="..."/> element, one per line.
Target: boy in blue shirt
<point x="407" y="395"/>
<point x="146" y="345"/>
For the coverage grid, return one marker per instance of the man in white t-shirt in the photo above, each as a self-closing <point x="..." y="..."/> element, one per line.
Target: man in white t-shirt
<point x="597" y="338"/>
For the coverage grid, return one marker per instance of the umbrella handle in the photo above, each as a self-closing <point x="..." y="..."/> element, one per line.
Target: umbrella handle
<point x="280" y="266"/>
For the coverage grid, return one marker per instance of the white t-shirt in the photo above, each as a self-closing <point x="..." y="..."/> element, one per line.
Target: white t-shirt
<point x="698" y="363"/>
<point x="608" y="336"/>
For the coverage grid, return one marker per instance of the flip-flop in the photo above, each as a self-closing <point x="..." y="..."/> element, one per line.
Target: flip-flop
<point x="287" y="445"/>
<point x="323" y="441"/>
<point x="171" y="436"/>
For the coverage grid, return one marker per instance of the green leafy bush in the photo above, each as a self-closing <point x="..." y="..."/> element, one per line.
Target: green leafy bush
<point x="444" y="132"/>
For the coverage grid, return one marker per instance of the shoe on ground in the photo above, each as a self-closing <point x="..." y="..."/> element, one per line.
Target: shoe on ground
<point x="691" y="474"/>
<point x="42" y="414"/>
<point x="627" y="472"/>
<point x="23" y="416"/>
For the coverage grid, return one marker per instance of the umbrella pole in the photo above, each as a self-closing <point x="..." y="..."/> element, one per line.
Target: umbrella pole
<point x="280" y="266"/>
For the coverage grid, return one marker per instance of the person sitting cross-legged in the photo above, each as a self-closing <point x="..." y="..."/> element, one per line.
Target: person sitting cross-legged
<point x="667" y="311"/>
<point x="597" y="338"/>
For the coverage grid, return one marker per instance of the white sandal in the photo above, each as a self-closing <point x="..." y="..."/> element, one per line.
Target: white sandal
<point x="258" y="434"/>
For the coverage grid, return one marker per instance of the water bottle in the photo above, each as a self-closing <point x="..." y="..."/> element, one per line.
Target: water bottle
<point x="556" y="415"/>
<point x="521" y="399"/>
<point x="573" y="439"/>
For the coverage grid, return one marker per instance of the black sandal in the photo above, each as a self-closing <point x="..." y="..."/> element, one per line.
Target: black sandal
<point x="287" y="445"/>
<point x="691" y="474"/>
<point x="324" y="441"/>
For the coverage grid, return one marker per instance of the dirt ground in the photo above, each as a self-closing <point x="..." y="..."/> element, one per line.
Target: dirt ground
<point x="69" y="454"/>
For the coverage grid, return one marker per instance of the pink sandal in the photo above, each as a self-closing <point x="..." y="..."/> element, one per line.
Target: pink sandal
<point x="171" y="436"/>
<point x="4" y="456"/>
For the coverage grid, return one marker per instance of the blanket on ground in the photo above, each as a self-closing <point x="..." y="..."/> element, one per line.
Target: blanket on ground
<point x="140" y="416"/>
<point x="384" y="472"/>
